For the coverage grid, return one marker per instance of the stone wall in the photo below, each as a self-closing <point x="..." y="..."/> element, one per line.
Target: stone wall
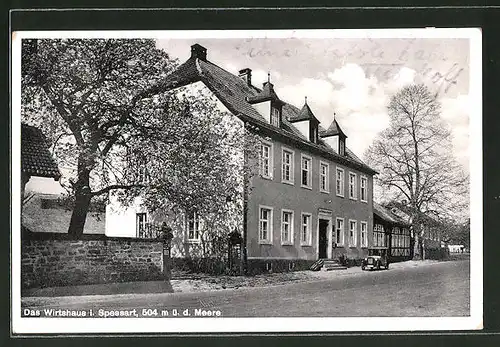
<point x="49" y="260"/>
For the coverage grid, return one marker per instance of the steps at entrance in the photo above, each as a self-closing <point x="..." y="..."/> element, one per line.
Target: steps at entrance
<point x="330" y="264"/>
<point x="327" y="265"/>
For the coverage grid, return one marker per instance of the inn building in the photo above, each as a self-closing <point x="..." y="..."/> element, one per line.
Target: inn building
<point x="312" y="198"/>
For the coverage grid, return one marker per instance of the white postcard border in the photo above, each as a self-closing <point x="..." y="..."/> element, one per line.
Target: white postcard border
<point x="21" y="325"/>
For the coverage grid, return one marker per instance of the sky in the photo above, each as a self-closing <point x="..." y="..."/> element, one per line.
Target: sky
<point x="351" y="78"/>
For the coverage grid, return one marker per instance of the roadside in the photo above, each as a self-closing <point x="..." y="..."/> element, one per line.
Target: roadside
<point x="235" y="282"/>
<point x="203" y="283"/>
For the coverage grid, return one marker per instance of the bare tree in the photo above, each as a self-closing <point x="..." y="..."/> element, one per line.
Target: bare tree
<point x="415" y="161"/>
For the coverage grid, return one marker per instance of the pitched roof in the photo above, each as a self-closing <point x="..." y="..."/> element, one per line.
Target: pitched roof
<point x="267" y="93"/>
<point x="235" y="94"/>
<point x="35" y="156"/>
<point x="333" y="129"/>
<point x="304" y="114"/>
<point x="387" y="215"/>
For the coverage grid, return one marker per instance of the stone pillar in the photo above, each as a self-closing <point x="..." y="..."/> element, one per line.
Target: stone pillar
<point x="166" y="236"/>
<point x="167" y="260"/>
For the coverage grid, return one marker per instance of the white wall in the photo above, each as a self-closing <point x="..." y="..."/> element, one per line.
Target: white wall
<point x="264" y="108"/>
<point x="121" y="220"/>
<point x="56" y="219"/>
<point x="333" y="142"/>
<point x="303" y="127"/>
<point x="198" y="88"/>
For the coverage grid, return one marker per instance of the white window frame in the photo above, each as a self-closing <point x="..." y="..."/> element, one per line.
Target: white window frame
<point x="353" y="196"/>
<point x="353" y="240"/>
<point x="196" y="225"/>
<point x="308" y="241"/>
<point x="306" y="158"/>
<point x="342" y="231"/>
<point x="141" y="224"/>
<point x="378" y="231"/>
<point x="275" y="112"/>
<point x="363" y="179"/>
<point x="290" y="227"/>
<point x="326" y="176"/>
<point x="270" y="159"/>
<point x="292" y="166"/>
<point x="364" y="242"/>
<point x="269" y="239"/>
<point x="341" y="180"/>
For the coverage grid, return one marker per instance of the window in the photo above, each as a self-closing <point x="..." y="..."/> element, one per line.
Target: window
<point x="266" y="160"/>
<point x="352" y="233"/>
<point x="306" y="171"/>
<point x="352" y="185"/>
<point x="287" y="166"/>
<point x="340" y="182"/>
<point x="364" y="189"/>
<point x="395" y="238"/>
<point x="378" y="236"/>
<point x="324" y="185"/>
<point x="265" y="224"/>
<point x="305" y="231"/>
<point x="341" y="147"/>
<point x="286" y="227"/>
<point x="193" y="227"/>
<point x="141" y="224"/>
<point x="364" y="235"/>
<point x="275" y="116"/>
<point x="339" y="231"/>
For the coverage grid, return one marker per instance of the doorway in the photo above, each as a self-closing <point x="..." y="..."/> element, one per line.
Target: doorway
<point x="323" y="238"/>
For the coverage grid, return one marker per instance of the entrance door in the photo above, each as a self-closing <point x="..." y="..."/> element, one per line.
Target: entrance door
<point x="323" y="239"/>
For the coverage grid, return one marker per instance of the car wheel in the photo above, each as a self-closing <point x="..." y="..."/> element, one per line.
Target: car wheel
<point x="363" y="267"/>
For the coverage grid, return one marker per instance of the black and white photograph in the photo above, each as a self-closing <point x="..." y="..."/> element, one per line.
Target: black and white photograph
<point x="246" y="181"/>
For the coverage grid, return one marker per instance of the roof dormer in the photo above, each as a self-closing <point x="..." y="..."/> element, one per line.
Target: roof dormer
<point x="307" y="123"/>
<point x="335" y="137"/>
<point x="268" y="104"/>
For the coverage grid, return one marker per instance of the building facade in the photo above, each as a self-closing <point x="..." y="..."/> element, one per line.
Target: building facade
<point x="312" y="197"/>
<point x="392" y="233"/>
<point x="431" y="230"/>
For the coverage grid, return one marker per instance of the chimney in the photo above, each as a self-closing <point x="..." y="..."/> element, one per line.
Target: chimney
<point x="198" y="51"/>
<point x="246" y="75"/>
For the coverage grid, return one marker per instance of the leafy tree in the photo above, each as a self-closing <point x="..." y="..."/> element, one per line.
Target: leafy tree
<point x="205" y="167"/>
<point x="458" y="234"/>
<point x="414" y="159"/>
<point x="113" y="129"/>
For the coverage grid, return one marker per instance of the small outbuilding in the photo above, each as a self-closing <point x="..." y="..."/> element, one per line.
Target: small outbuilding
<point x="36" y="159"/>
<point x="391" y="232"/>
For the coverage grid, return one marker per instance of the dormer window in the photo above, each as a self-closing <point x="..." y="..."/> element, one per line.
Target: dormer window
<point x="275" y="116"/>
<point x="314" y="132"/>
<point x="267" y="103"/>
<point x="306" y="123"/>
<point x="335" y="137"/>
<point x="341" y="146"/>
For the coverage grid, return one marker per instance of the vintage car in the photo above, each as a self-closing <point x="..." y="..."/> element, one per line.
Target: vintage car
<point x="376" y="259"/>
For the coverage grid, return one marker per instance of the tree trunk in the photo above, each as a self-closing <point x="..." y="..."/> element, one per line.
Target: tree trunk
<point x="418" y="249"/>
<point x="82" y="198"/>
<point x="79" y="215"/>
